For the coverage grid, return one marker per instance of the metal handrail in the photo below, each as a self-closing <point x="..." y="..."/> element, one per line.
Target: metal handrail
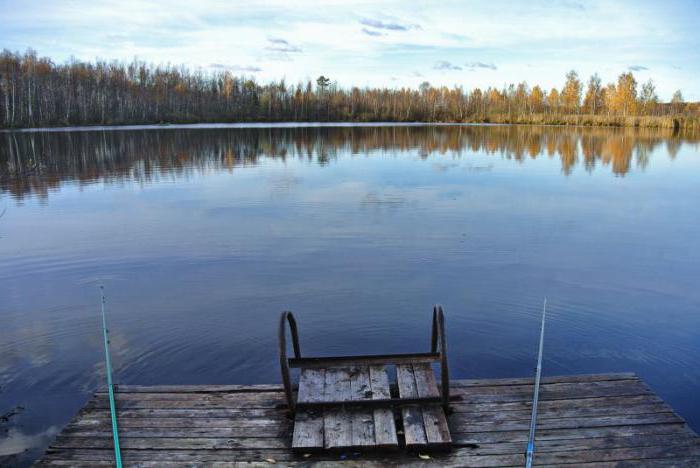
<point x="288" y="317"/>
<point x="438" y="339"/>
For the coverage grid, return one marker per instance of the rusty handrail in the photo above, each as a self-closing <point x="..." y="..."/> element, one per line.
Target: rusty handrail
<point x="287" y="317"/>
<point x="438" y="340"/>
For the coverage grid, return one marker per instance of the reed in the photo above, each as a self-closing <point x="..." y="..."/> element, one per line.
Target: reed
<point x="679" y="122"/>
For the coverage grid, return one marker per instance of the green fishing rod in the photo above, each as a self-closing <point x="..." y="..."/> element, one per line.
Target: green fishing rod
<point x="530" y="452"/>
<point x="110" y="386"/>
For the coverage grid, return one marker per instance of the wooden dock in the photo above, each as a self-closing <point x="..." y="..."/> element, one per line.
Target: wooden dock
<point x="587" y="420"/>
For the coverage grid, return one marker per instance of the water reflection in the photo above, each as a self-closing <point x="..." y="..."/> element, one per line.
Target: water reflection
<point x="35" y="163"/>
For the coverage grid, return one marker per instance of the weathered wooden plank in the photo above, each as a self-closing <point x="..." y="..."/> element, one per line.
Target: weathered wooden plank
<point x="311" y="385"/>
<point x="559" y="390"/>
<point x="460" y="423"/>
<point x="458" y="457"/>
<point x="362" y="419"/>
<point x="464" y="438"/>
<point x="506" y="394"/>
<point x="545" y="380"/>
<point x="308" y="424"/>
<point x="617" y="454"/>
<point x="561" y="413"/>
<point x="367" y="360"/>
<point x="556" y="406"/>
<point x="183" y="455"/>
<point x="308" y="430"/>
<point x="170" y="443"/>
<point x="182" y="422"/>
<point x="280" y="431"/>
<point x="465" y="457"/>
<point x="193" y="403"/>
<point x="437" y="431"/>
<point x="242" y="397"/>
<point x="384" y="424"/>
<point x="679" y="462"/>
<point x="337" y="423"/>
<point x="592" y="443"/>
<point x="185" y="422"/>
<point x="379" y="380"/>
<point x="194" y="412"/>
<point x="412" y="416"/>
<point x="256" y="388"/>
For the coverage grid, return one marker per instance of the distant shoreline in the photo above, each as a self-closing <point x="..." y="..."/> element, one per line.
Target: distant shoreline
<point x="671" y="123"/>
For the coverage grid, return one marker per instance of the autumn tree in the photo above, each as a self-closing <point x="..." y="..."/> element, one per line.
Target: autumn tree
<point x="648" y="100"/>
<point x="536" y="99"/>
<point x="571" y="93"/>
<point x="625" y="98"/>
<point x="553" y="100"/>
<point x="677" y="101"/>
<point x="593" y="101"/>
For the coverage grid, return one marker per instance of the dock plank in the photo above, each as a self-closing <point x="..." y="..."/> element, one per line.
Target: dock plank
<point x="337" y="423"/>
<point x="384" y="424"/>
<point x="362" y="420"/>
<point x="412" y="416"/>
<point x="308" y="425"/>
<point x="437" y="431"/>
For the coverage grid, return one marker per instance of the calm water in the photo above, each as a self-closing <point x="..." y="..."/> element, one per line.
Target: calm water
<point x="203" y="235"/>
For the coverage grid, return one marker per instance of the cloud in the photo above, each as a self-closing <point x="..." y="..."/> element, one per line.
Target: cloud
<point x="456" y="37"/>
<point x="372" y="23"/>
<point x="445" y="65"/>
<point x="280" y="50"/>
<point x="574" y="5"/>
<point x="239" y="68"/>
<point x="474" y="65"/>
<point x="278" y="40"/>
<point x="637" y="68"/>
<point x="370" y="32"/>
<point x="417" y="74"/>
<point x="276" y="44"/>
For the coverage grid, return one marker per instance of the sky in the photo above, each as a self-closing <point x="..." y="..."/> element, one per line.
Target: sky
<point x="377" y="43"/>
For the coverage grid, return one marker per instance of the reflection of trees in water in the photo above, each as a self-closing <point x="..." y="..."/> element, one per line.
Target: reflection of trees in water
<point x="34" y="163"/>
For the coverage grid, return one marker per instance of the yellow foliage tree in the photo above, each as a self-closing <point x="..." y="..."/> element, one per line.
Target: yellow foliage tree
<point x="625" y="98"/>
<point x="571" y="94"/>
<point x="553" y="100"/>
<point x="536" y="99"/>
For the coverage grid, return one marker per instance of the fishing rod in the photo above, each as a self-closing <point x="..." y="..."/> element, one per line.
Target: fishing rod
<point x="533" y="419"/>
<point x="108" y="367"/>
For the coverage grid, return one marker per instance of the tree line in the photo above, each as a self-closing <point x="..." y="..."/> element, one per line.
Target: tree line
<point x="35" y="91"/>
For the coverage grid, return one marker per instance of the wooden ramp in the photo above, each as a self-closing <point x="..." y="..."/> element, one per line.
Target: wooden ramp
<point x="590" y="420"/>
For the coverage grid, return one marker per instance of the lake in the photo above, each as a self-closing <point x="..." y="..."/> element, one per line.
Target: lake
<point x="202" y="235"/>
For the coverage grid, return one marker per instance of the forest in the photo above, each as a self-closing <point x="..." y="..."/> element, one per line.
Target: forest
<point x="36" y="92"/>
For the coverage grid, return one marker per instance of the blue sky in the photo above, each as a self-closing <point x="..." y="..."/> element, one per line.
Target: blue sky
<point x="368" y="43"/>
